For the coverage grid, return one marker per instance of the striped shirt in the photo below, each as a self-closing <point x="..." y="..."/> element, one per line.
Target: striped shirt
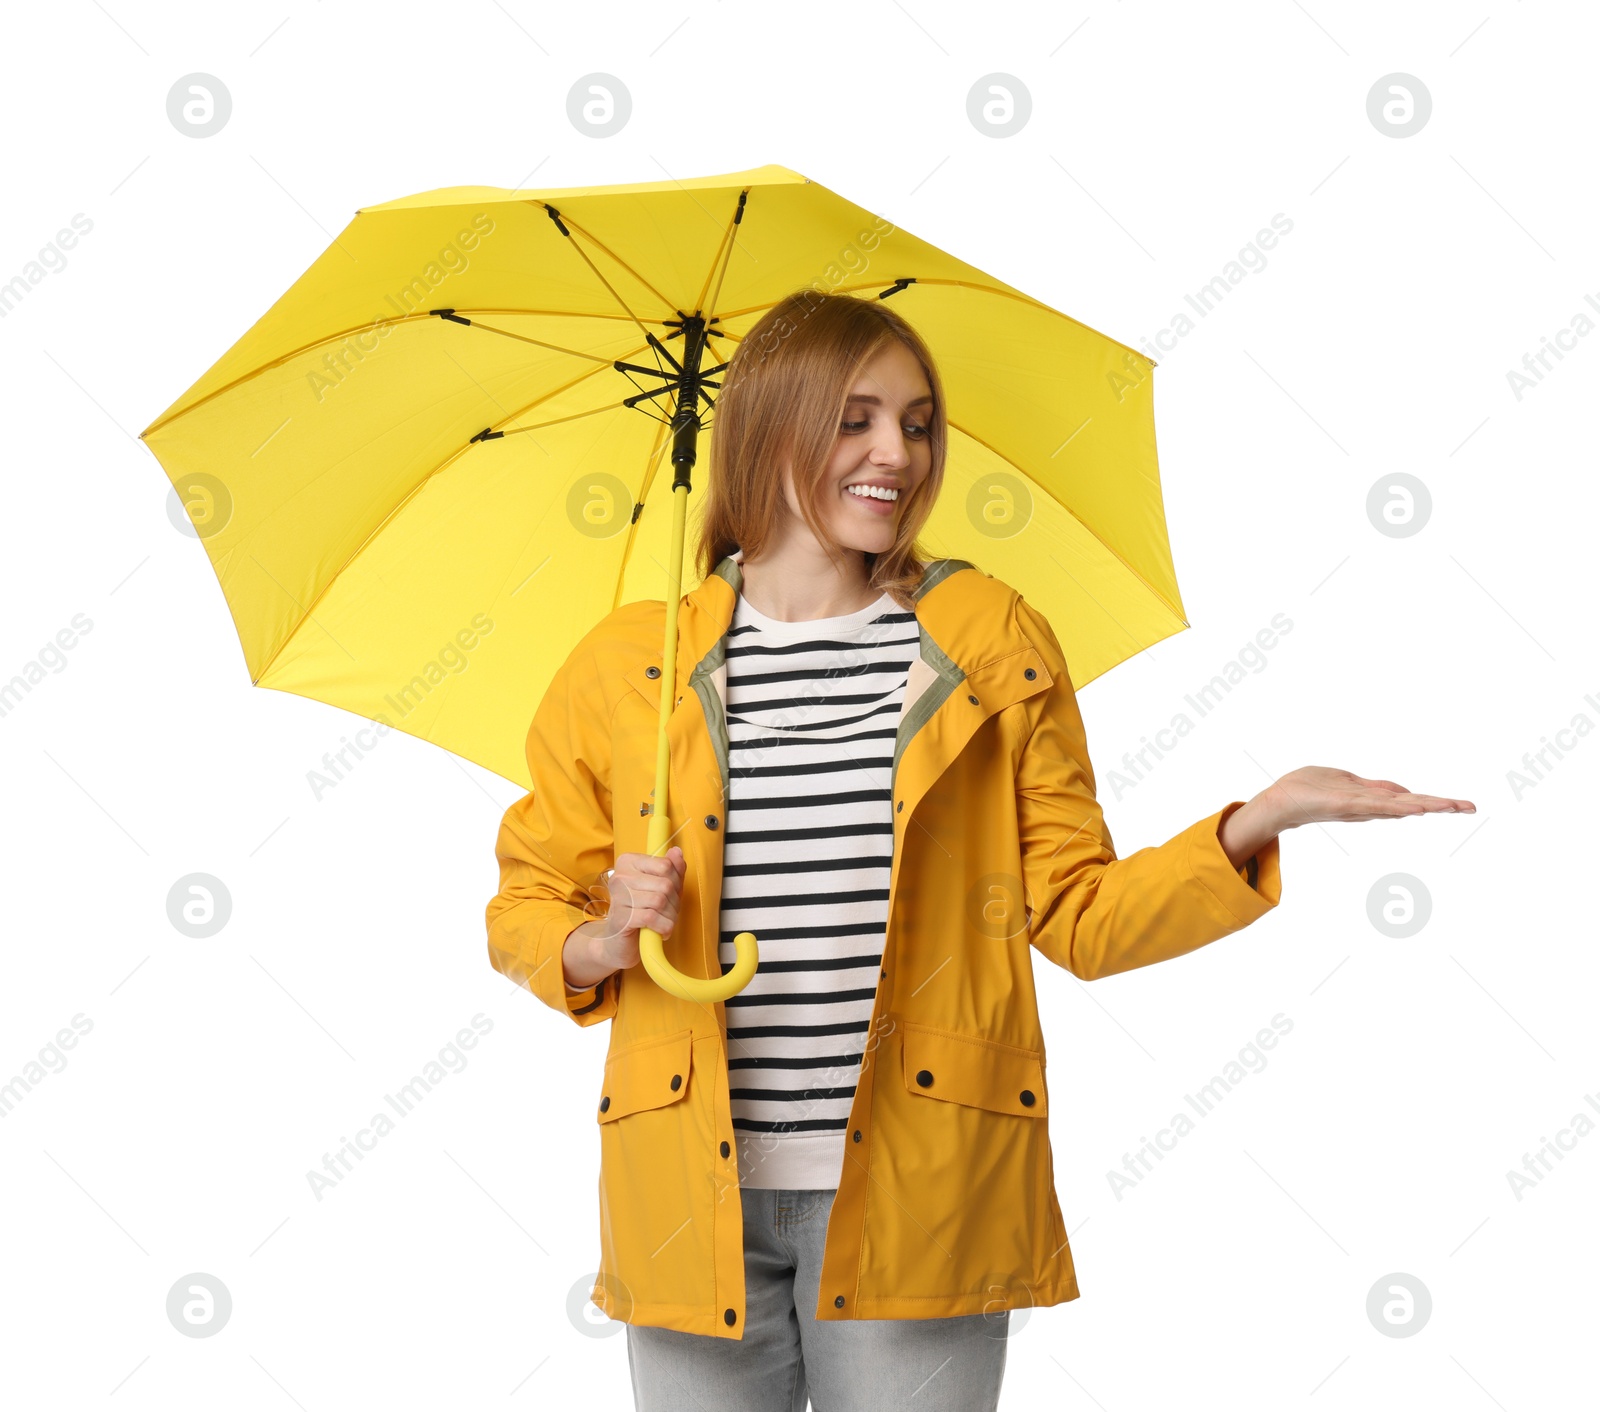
<point x="812" y="711"/>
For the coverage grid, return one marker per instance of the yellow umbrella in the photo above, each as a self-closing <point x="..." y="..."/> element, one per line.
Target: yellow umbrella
<point x="438" y="459"/>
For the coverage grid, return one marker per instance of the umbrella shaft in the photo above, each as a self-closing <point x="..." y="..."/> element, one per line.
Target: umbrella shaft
<point x="686" y="420"/>
<point x="660" y="824"/>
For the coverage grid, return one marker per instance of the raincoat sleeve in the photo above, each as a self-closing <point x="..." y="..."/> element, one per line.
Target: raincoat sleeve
<point x="1092" y="912"/>
<point x="555" y="838"/>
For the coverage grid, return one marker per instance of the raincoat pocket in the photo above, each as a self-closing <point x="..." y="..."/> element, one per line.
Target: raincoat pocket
<point x="969" y="1105"/>
<point x="980" y="1073"/>
<point x="648" y="1075"/>
<point x="657" y="1128"/>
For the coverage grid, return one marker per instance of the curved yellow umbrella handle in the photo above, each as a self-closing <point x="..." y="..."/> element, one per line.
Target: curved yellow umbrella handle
<point x="704" y="990"/>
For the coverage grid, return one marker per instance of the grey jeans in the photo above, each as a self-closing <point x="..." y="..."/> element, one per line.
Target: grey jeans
<point x="849" y="1365"/>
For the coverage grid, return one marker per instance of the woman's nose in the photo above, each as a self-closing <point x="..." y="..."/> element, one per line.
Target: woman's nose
<point x="889" y="451"/>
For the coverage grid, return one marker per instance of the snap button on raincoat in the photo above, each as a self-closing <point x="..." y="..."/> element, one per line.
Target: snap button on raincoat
<point x="946" y="1202"/>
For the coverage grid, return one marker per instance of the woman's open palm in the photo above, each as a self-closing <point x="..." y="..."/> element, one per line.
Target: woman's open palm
<point x="1320" y="794"/>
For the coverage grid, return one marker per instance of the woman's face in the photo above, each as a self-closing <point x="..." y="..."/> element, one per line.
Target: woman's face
<point x="882" y="442"/>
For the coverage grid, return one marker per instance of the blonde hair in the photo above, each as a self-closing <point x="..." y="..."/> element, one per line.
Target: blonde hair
<point x="783" y="394"/>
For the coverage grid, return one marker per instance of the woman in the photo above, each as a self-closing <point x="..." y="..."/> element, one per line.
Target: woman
<point x="840" y="1181"/>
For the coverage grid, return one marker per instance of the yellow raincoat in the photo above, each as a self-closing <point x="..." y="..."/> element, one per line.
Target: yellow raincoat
<point x="946" y="1202"/>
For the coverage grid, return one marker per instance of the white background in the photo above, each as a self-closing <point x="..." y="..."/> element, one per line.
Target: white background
<point x="1418" y="1072"/>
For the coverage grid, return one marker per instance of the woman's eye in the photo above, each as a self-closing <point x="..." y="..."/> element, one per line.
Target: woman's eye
<point x="915" y="430"/>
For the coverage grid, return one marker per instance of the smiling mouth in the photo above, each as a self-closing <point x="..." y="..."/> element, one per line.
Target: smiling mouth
<point x="882" y="494"/>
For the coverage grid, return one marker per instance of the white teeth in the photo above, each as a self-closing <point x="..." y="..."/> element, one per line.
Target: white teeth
<point x="873" y="492"/>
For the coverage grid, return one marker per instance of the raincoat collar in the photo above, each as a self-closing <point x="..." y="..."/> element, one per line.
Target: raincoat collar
<point x="966" y="638"/>
<point x="712" y="604"/>
<point x="702" y="640"/>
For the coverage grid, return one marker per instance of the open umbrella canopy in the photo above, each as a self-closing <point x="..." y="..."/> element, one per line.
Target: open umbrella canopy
<point x="442" y="456"/>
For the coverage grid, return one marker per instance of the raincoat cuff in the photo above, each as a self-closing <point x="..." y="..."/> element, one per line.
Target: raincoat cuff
<point x="1247" y="892"/>
<point x="584" y="1006"/>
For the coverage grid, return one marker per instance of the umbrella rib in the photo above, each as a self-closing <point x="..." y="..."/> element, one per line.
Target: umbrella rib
<point x="565" y="220"/>
<point x="651" y="463"/>
<point x="399" y="506"/>
<point x="633" y="524"/>
<point x="576" y="416"/>
<point x="347" y="333"/>
<point x="536" y="342"/>
<point x="576" y="353"/>
<point x="963" y="284"/>
<point x="1111" y="550"/>
<point x="560" y="224"/>
<point x="729" y="237"/>
<point x="544" y="397"/>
